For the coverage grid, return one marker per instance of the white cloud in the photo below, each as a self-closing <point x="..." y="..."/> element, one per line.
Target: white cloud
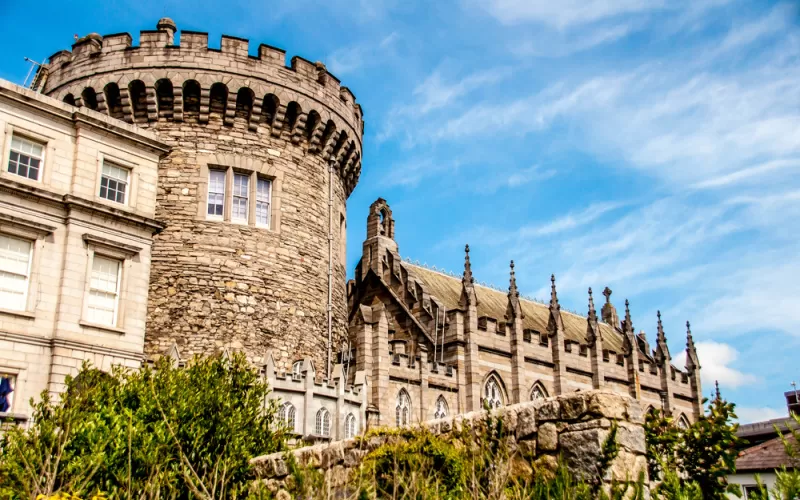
<point x="772" y="23"/>
<point x="565" y="13"/>
<point x="435" y="93"/>
<point x="748" y="173"/>
<point x="349" y="59"/>
<point x="570" y="221"/>
<point x="749" y="415"/>
<point x="716" y="359"/>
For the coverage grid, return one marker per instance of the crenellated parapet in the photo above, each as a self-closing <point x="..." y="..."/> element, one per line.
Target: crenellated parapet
<point x="181" y="79"/>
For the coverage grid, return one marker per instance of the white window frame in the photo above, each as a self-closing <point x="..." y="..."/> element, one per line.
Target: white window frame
<point x="322" y="424"/>
<point x="442" y="409"/>
<point x="350" y="428"/>
<point x="212" y="171"/>
<point x="538" y="392"/>
<point x="128" y="181"/>
<point x="117" y="291"/>
<point x="297" y="368"/>
<point x="288" y="415"/>
<point x="235" y="197"/>
<point x="28" y="271"/>
<point x="37" y="142"/>
<point x="493" y="393"/>
<point x="109" y="249"/>
<point x="267" y="202"/>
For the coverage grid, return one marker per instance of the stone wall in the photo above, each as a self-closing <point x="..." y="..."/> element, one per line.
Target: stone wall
<point x="572" y="426"/>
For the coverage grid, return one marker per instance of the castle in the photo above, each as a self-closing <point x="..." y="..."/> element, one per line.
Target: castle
<point x="234" y="188"/>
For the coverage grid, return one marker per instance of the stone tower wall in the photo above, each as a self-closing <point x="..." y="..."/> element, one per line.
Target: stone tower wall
<point x="218" y="284"/>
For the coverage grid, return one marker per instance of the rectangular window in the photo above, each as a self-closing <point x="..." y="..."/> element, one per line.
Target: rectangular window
<point x="114" y="183"/>
<point x="263" y="199"/>
<point x="25" y="159"/>
<point x="8" y="383"/>
<point x="216" y="192"/>
<point x="104" y="290"/>
<point x="241" y="192"/>
<point x="15" y="267"/>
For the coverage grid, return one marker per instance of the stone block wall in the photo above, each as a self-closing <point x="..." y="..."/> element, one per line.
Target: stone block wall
<point x="573" y="427"/>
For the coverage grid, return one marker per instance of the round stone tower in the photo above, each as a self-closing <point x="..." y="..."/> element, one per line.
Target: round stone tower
<point x="253" y="192"/>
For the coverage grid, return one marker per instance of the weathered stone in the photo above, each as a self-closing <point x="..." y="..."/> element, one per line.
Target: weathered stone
<point x="609" y="405"/>
<point x="627" y="467"/>
<point x="526" y="422"/>
<point x="549" y="410"/>
<point x="573" y="406"/>
<point x="582" y="451"/>
<point x="631" y="437"/>
<point x="527" y="448"/>
<point x="332" y="455"/>
<point x="548" y="437"/>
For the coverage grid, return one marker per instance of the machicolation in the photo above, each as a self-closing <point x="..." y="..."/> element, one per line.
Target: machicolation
<point x="244" y="192"/>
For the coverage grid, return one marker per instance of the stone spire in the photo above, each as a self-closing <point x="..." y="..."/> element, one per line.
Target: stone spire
<point x="692" y="361"/>
<point x="468" y="295"/>
<point x="627" y="325"/>
<point x="629" y="337"/>
<point x="467" y="279"/>
<point x="592" y="331"/>
<point x="662" y="350"/>
<point x="514" y="310"/>
<point x="554" y="324"/>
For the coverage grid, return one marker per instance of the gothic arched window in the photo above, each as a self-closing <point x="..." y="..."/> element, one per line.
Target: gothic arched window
<point x="323" y="423"/>
<point x="349" y="426"/>
<point x="538" y="392"/>
<point x="403" y="408"/>
<point x="683" y="422"/>
<point x="297" y="368"/>
<point x="441" y="408"/>
<point x="492" y="393"/>
<point x="288" y="415"/>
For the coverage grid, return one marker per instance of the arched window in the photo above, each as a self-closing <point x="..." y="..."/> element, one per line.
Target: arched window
<point x="165" y="96"/>
<point x="244" y="103"/>
<point x="538" y="392"/>
<point x="683" y="422"/>
<point x="69" y="99"/>
<point x="441" y="408"/>
<point x="311" y="123"/>
<point x="292" y="113"/>
<point x="493" y="393"/>
<point x="89" y="98"/>
<point x="288" y="415"/>
<point x="191" y="99"/>
<point x="138" y="93"/>
<point x="349" y="426"/>
<point x="218" y="99"/>
<point x="114" y="101"/>
<point x="297" y="368"/>
<point x="323" y="427"/>
<point x="269" y="108"/>
<point x="403" y="408"/>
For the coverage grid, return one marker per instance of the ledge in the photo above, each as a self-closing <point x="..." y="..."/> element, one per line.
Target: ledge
<point x="17" y="418"/>
<point x="106" y="328"/>
<point x="19" y="314"/>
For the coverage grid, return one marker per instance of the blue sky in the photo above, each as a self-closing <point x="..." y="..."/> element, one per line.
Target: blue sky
<point x="650" y="146"/>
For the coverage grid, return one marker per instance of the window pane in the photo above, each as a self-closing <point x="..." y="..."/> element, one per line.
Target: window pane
<point x="241" y="185"/>
<point x="25" y="158"/>
<point x="104" y="290"/>
<point x="114" y="182"/>
<point x="15" y="256"/>
<point x="263" y="194"/>
<point x="216" y="192"/>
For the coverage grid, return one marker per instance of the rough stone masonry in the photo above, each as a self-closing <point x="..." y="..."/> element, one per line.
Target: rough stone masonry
<point x="573" y="426"/>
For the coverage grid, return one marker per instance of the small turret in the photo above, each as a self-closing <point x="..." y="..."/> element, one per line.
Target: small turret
<point x="168" y="25"/>
<point x="609" y="312"/>
<point x="662" y="350"/>
<point x="555" y="323"/>
<point x="692" y="361"/>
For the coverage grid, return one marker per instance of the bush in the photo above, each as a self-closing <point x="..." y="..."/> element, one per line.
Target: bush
<point x="156" y="432"/>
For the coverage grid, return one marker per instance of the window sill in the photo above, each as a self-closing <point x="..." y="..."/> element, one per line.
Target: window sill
<point x="17" y="418"/>
<point x="19" y="314"/>
<point x="106" y="328"/>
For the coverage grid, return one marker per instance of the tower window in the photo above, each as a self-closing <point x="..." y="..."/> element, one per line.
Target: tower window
<point x="241" y="188"/>
<point x="25" y="158"/>
<point x="263" y="199"/>
<point x="216" y="193"/>
<point x="114" y="183"/>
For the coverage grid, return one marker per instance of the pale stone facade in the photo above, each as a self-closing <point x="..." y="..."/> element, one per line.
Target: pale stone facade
<point x="57" y="226"/>
<point x="218" y="282"/>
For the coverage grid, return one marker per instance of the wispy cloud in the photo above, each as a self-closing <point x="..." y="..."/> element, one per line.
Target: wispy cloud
<point x="560" y="45"/>
<point x="748" y="173"/>
<point x="571" y="221"/>
<point x="716" y="360"/>
<point x="350" y="59"/>
<point x="435" y="92"/>
<point x="565" y="13"/>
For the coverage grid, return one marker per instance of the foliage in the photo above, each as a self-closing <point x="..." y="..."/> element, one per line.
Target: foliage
<point x="704" y="453"/>
<point x="155" y="432"/>
<point x="787" y="480"/>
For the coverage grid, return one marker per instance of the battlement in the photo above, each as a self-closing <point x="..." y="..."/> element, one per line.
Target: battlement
<point x="183" y="79"/>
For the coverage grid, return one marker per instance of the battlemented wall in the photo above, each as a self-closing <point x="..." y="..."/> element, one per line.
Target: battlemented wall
<point x="219" y="283"/>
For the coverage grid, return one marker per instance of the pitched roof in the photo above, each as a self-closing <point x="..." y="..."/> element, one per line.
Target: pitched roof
<point x="765" y="456"/>
<point x="492" y="303"/>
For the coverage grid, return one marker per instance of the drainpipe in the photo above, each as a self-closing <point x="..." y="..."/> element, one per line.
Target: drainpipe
<point x="331" y="165"/>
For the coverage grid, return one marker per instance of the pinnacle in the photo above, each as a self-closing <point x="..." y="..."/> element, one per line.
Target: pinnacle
<point x="468" y="278"/>
<point x="553" y="293"/>
<point x="592" y="312"/>
<point x="512" y="288"/>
